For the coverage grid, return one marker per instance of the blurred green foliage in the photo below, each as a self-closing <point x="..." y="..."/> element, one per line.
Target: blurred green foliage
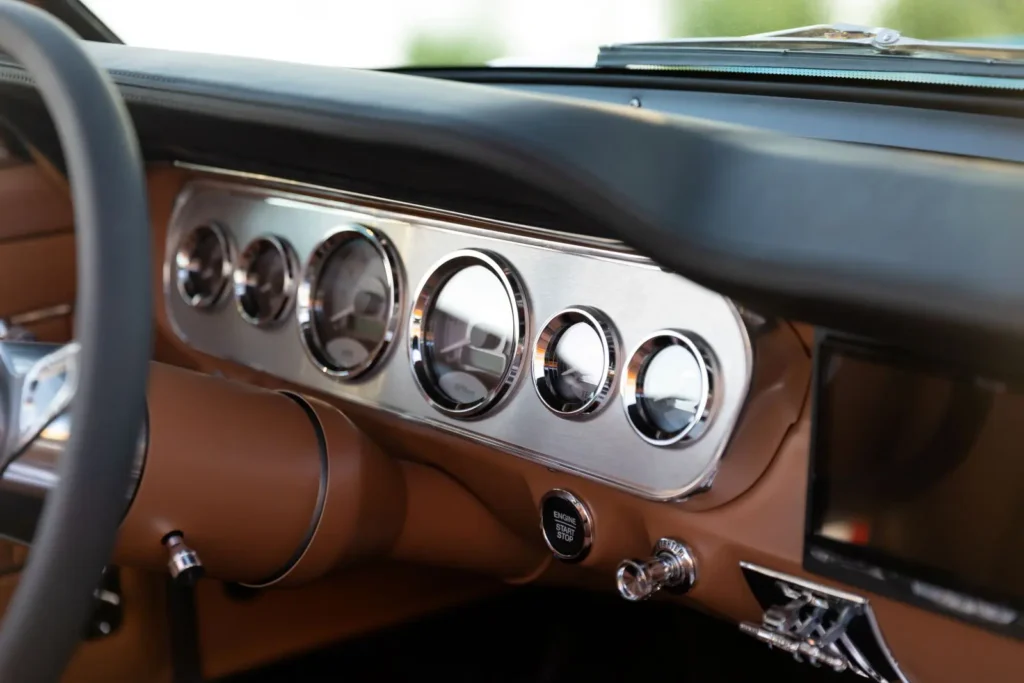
<point x="438" y="49"/>
<point x="699" y="18"/>
<point x="926" y="19"/>
<point x="933" y="19"/>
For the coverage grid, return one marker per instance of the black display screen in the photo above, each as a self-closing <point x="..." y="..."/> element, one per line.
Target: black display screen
<point x="917" y="483"/>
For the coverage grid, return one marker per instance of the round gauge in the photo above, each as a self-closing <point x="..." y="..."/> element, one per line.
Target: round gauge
<point x="467" y="333"/>
<point x="574" y="362"/>
<point x="203" y="265"/>
<point x="349" y="301"/>
<point x="265" y="281"/>
<point x="668" y="389"/>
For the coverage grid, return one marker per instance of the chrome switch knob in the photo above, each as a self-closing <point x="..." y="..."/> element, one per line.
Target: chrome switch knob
<point x="673" y="567"/>
<point x="183" y="563"/>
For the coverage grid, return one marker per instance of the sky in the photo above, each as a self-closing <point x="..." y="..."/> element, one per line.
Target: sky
<point x="376" y="33"/>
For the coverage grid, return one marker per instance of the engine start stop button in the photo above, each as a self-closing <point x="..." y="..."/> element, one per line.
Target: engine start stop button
<point x="566" y="525"/>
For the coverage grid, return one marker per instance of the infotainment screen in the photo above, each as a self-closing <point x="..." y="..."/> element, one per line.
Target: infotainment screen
<point x="916" y="487"/>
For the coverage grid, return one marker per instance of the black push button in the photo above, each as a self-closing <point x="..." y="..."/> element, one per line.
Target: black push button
<point x="566" y="524"/>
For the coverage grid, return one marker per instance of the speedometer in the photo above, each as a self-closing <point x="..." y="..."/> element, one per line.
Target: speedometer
<point x="349" y="301"/>
<point x="467" y="332"/>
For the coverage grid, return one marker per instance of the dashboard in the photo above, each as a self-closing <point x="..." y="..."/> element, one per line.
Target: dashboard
<point x="431" y="322"/>
<point x="576" y="353"/>
<point x="589" y="316"/>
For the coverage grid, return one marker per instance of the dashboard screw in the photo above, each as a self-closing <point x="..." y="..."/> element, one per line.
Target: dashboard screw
<point x="635" y="102"/>
<point x="886" y="36"/>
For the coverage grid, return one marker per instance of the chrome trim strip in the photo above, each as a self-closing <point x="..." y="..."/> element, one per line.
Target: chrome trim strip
<point x="321" y="498"/>
<point x="419" y="345"/>
<point x="598" y="247"/>
<point x="558" y="274"/>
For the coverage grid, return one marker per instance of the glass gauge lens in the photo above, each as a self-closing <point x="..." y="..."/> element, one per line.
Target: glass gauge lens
<point x="472" y="333"/>
<point x="264" y="281"/>
<point x="668" y="388"/>
<point x="574" y="362"/>
<point x="202" y="264"/>
<point x="673" y="389"/>
<point x="579" y="364"/>
<point x="354" y="302"/>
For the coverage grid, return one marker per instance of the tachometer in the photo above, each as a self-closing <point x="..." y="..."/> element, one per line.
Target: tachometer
<point x="467" y="333"/>
<point x="349" y="301"/>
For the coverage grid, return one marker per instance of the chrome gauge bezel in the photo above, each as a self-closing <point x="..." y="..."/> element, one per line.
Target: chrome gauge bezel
<point x="632" y="388"/>
<point x="420" y="345"/>
<point x="182" y="256"/>
<point x="246" y="260"/>
<point x="307" y="305"/>
<point x="544" y="360"/>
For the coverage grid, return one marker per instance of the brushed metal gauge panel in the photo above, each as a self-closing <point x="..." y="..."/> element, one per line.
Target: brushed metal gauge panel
<point x="557" y="273"/>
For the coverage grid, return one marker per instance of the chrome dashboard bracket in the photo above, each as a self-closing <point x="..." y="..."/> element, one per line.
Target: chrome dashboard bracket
<point x="555" y="272"/>
<point x="818" y="625"/>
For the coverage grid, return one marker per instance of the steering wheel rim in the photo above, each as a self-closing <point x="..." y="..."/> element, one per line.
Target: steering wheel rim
<point x="76" y="533"/>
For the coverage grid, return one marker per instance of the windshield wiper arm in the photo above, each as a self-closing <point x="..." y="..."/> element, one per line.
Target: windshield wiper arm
<point x="824" y="46"/>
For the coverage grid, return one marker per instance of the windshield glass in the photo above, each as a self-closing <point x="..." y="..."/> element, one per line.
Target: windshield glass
<point x="394" y="33"/>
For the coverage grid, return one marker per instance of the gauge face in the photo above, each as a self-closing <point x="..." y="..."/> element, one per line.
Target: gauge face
<point x="668" y="389"/>
<point x="574" y="362"/>
<point x="349" y="317"/>
<point x="265" y="281"/>
<point x="473" y="331"/>
<point x="203" y="266"/>
<point x="579" y="364"/>
<point x="467" y="347"/>
<point x="672" y="389"/>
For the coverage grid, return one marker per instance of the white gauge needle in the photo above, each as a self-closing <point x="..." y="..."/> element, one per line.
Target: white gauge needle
<point x="196" y="266"/>
<point x="684" y="404"/>
<point x="342" y="314"/>
<point x="570" y="372"/>
<point x="265" y="287"/>
<point x="456" y="346"/>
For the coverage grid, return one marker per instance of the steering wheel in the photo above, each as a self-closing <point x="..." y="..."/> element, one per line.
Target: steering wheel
<point x="105" y="369"/>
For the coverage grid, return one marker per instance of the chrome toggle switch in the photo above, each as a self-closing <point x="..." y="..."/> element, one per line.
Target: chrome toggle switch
<point x="673" y="567"/>
<point x="183" y="564"/>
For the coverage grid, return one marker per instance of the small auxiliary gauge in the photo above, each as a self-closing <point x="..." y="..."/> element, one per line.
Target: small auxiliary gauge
<point x="575" y="362"/>
<point x="668" y="390"/>
<point x="265" y="281"/>
<point x="202" y="265"/>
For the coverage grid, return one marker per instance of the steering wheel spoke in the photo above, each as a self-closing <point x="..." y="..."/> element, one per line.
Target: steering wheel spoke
<point x="40" y="380"/>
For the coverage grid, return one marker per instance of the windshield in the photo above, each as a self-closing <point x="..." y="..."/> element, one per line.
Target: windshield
<point x="395" y="33"/>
